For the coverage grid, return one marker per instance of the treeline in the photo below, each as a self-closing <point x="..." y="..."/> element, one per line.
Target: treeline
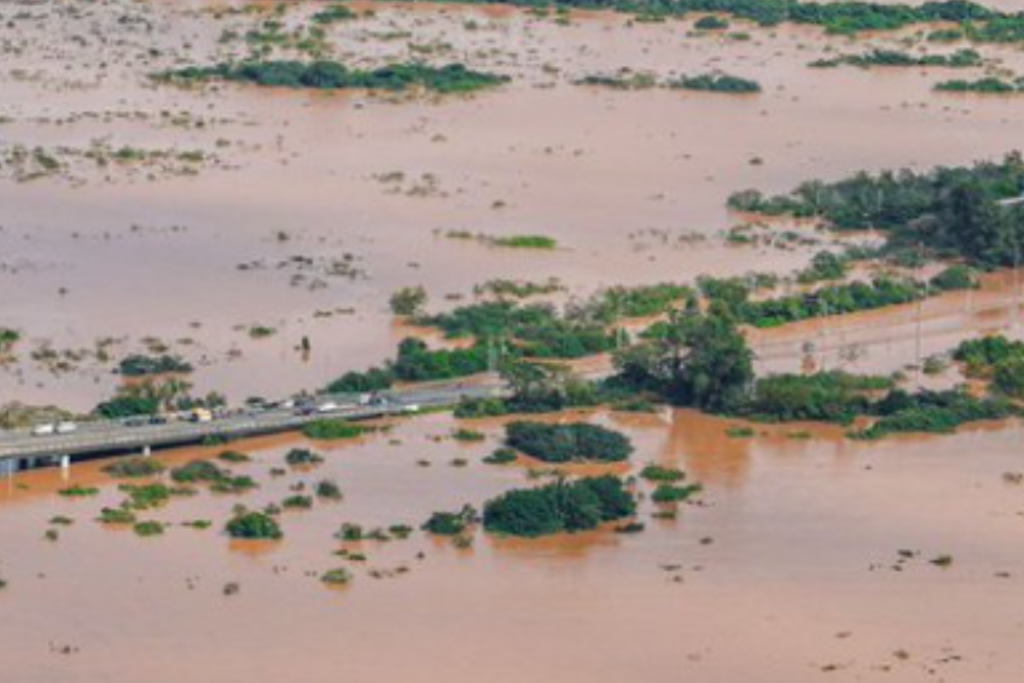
<point x="844" y="17"/>
<point x="505" y="331"/>
<point x="703" y="361"/>
<point x="714" y="82"/>
<point x="721" y="83"/>
<point x="985" y="86"/>
<point x="138" y="365"/>
<point x="961" y="59"/>
<point x="735" y="294"/>
<point x="330" y="75"/>
<point x="950" y="211"/>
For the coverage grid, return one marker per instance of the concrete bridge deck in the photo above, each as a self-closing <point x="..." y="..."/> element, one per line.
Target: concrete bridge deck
<point x="21" y="448"/>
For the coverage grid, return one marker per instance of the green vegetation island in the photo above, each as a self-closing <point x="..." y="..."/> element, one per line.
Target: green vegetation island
<point x="978" y="23"/>
<point x="330" y="75"/>
<point x="961" y="59"/>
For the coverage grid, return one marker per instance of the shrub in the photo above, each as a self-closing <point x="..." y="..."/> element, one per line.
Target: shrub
<point x="408" y="301"/>
<point x="469" y="435"/>
<point x="526" y="242"/>
<point x="450" y="523"/>
<point x="121" y="407"/>
<point x="350" y="532"/>
<point x="825" y="396"/>
<point x="233" y="457"/>
<point x="374" y="379"/>
<point x="139" y="365"/>
<point x="198" y="471"/>
<point x="297" y="502"/>
<point x="333" y="14"/>
<point x="303" y="457"/>
<point x="670" y="493"/>
<point x="77" y="491"/>
<point x="254" y="526"/>
<point x="332" y="430"/>
<point x="116" y="516"/>
<point x="711" y="23"/>
<point x="336" y="577"/>
<point x="937" y="412"/>
<point x="134" y="468"/>
<point x="954" y="278"/>
<point x="501" y="456"/>
<point x="720" y="83"/>
<point x="149" y="496"/>
<point x="234" y="484"/>
<point x="328" y="489"/>
<point x="148" y="528"/>
<point x="981" y="356"/>
<point x="660" y="473"/>
<point x="1008" y="377"/>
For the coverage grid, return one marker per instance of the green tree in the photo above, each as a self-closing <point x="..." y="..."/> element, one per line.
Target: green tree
<point x="408" y="301"/>
<point x="697" y="360"/>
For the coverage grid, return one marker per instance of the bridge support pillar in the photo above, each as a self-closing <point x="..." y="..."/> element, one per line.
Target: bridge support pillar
<point x="147" y="451"/>
<point x="65" y="462"/>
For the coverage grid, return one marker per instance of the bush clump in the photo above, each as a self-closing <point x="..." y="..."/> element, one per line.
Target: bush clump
<point x="501" y="456"/>
<point x="134" y="468"/>
<point x="935" y="412"/>
<point x="330" y="75"/>
<point x="568" y="443"/>
<point x="297" y="502"/>
<point x="332" y="430"/>
<point x="667" y="493"/>
<point x="233" y="457"/>
<point x="303" y="457"/>
<point x="336" y="577"/>
<point x="198" y="471"/>
<point x="254" y="525"/>
<point x="720" y="83"/>
<point x="119" y="516"/>
<point x="328" y="490"/>
<point x="78" y="491"/>
<point x="450" y="523"/>
<point x="824" y="397"/>
<point x="148" y="528"/>
<point x="559" y="507"/>
<point x="660" y="473"/>
<point x="140" y="366"/>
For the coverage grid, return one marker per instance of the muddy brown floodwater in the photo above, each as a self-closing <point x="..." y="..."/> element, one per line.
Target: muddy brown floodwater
<point x="788" y="570"/>
<point x="366" y="188"/>
<point x="808" y="556"/>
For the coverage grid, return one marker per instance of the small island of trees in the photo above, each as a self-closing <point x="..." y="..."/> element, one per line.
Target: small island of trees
<point x="559" y="507"/>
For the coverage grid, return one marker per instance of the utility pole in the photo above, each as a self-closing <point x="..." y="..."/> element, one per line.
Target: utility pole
<point x="492" y="356"/>
<point x="920" y="315"/>
<point x="1017" y="294"/>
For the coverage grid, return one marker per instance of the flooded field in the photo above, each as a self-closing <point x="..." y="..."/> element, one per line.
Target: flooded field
<point x="788" y="567"/>
<point x="309" y="210"/>
<point x="259" y="232"/>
